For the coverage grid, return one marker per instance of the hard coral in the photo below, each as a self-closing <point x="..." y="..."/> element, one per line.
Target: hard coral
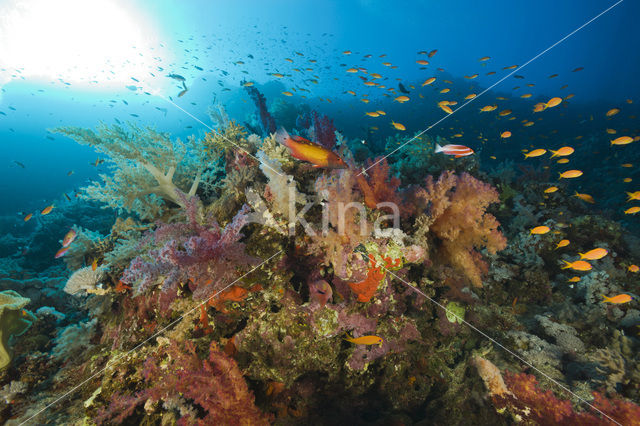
<point x="457" y="216"/>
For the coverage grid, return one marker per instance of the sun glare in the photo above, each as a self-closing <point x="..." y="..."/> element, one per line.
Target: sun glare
<point x="99" y="42"/>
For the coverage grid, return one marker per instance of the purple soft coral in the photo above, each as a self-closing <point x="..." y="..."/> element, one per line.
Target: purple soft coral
<point x="198" y="251"/>
<point x="324" y="130"/>
<point x="267" y="122"/>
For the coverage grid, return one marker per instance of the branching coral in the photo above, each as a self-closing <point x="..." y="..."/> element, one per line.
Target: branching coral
<point x="457" y="216"/>
<point x="149" y="168"/>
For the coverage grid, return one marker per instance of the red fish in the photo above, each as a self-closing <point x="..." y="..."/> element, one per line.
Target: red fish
<point x="305" y="150"/>
<point x="455" y="150"/>
<point x="68" y="239"/>
<point x="61" y="252"/>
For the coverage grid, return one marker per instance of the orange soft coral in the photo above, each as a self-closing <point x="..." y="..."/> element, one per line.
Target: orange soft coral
<point x="366" y="288"/>
<point x="458" y="218"/>
<point x="232" y="294"/>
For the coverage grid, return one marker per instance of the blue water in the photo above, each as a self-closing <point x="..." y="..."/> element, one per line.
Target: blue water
<point x="219" y="34"/>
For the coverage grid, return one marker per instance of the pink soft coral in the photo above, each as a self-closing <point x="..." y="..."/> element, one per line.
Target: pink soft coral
<point x="457" y="216"/>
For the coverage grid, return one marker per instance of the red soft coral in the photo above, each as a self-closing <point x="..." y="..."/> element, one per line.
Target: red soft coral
<point x="458" y="218"/>
<point x="378" y="187"/>
<point x="544" y="408"/>
<point x="215" y="384"/>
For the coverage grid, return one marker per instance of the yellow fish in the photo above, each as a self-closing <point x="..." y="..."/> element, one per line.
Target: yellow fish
<point x="562" y="243"/>
<point x="305" y="150"/>
<point x="633" y="196"/>
<point x="401" y="99"/>
<point x="551" y="189"/>
<point x="612" y="111"/>
<point x="365" y="340"/>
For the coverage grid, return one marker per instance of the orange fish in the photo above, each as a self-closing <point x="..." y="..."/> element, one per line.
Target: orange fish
<point x="68" y="239"/>
<point x="122" y="287"/>
<point x="365" y="340"/>
<point x="27" y="217"/>
<point x="553" y="102"/>
<point x="505" y="134"/>
<point x="539" y="230"/>
<point x="622" y="140"/>
<point x="574" y="279"/>
<point x="562" y="243"/>
<point x="632" y="210"/>
<point x="47" y="210"/>
<point x="428" y="81"/>
<point x="398" y="126"/>
<point x="584" y="197"/>
<point x="565" y="150"/>
<point x="305" y="150"/>
<point x="61" y="252"/>
<point x="595" y="254"/>
<point x="578" y="265"/>
<point x="620" y="298"/>
<point x="535" y="153"/>
<point x="94" y="264"/>
<point x="569" y="174"/>
<point x="633" y="268"/>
